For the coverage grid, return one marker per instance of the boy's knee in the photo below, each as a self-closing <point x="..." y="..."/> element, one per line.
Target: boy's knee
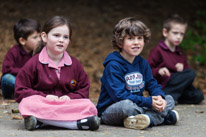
<point x="170" y="100"/>
<point x="199" y="98"/>
<point x="125" y="105"/>
<point x="191" y="73"/>
<point x="8" y="78"/>
<point x="129" y="108"/>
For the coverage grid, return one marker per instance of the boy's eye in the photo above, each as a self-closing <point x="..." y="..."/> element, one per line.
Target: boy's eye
<point x="140" y="37"/>
<point x="182" y="34"/>
<point x="130" y="38"/>
<point x="35" y="37"/>
<point x="175" y="33"/>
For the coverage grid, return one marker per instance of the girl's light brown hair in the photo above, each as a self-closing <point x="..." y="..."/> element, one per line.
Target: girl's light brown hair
<point x="53" y="22"/>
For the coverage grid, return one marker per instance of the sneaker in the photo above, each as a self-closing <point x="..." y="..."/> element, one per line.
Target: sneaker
<point x="30" y="122"/>
<point x="140" y="121"/>
<point x="89" y="123"/>
<point x="172" y="118"/>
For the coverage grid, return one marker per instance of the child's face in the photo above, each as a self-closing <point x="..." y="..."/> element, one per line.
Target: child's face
<point x="31" y="42"/>
<point x="132" y="46"/>
<point x="57" y="40"/>
<point x="175" y="35"/>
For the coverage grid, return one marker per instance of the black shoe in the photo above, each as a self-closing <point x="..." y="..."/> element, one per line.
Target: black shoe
<point x="89" y="123"/>
<point x="30" y="122"/>
<point x="172" y="118"/>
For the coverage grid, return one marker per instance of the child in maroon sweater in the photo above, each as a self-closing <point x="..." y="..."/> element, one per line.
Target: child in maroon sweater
<point x="27" y="35"/>
<point x="169" y="64"/>
<point x="52" y="88"/>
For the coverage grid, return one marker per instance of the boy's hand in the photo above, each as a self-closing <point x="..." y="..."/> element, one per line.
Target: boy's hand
<point x="164" y="103"/>
<point x="164" y="72"/>
<point x="65" y="97"/>
<point x="158" y="103"/>
<point x="52" y="97"/>
<point x="179" y="67"/>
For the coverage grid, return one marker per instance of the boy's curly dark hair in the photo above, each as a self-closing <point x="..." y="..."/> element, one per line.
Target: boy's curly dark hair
<point x="132" y="27"/>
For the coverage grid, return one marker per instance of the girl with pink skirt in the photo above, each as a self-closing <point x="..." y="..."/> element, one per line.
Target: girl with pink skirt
<point x="52" y="88"/>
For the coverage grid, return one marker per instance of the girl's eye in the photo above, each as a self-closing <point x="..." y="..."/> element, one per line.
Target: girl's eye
<point x="66" y="37"/>
<point x="56" y="35"/>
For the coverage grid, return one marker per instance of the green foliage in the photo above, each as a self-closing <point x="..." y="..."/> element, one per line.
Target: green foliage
<point x="195" y="39"/>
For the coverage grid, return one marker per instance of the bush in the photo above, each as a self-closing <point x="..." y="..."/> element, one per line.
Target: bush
<point x="195" y="39"/>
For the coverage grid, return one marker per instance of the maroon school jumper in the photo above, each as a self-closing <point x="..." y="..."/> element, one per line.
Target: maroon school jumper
<point x="15" y="59"/>
<point x="161" y="56"/>
<point x="36" y="78"/>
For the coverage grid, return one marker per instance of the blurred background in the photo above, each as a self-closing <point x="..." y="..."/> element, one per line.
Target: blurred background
<point x="92" y="24"/>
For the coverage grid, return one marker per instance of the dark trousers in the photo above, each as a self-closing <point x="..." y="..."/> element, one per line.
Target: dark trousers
<point x="181" y="89"/>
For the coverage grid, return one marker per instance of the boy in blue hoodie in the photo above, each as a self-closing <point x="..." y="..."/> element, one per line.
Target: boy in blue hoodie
<point x="126" y="76"/>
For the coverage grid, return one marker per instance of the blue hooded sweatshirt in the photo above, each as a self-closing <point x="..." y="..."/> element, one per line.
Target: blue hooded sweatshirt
<point x="122" y="80"/>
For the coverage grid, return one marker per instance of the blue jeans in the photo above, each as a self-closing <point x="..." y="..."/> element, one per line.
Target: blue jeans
<point x="117" y="112"/>
<point x="8" y="85"/>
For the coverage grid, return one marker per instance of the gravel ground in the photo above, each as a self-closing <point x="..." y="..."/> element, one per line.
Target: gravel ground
<point x="192" y="123"/>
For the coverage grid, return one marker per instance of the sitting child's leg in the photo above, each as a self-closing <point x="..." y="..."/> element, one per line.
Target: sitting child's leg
<point x="89" y="123"/>
<point x="159" y="118"/>
<point x="153" y="118"/>
<point x="178" y="83"/>
<point x="181" y="89"/>
<point x="117" y="112"/>
<point x="31" y="123"/>
<point x="7" y="86"/>
<point x="191" y="95"/>
<point x="140" y="121"/>
<point x="172" y="118"/>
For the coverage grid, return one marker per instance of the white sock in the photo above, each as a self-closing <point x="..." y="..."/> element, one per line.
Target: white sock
<point x="64" y="124"/>
<point x="84" y="121"/>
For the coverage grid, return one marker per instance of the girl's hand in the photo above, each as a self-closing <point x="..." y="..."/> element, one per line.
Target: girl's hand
<point x="65" y="97"/>
<point x="179" y="67"/>
<point x="52" y="97"/>
<point x="164" y="72"/>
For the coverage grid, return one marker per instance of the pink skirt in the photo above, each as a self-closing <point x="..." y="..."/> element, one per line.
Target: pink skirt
<point x="67" y="110"/>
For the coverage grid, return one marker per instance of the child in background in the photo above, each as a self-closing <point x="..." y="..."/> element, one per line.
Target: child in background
<point x="126" y="76"/>
<point x="52" y="88"/>
<point x="169" y="64"/>
<point x="27" y="35"/>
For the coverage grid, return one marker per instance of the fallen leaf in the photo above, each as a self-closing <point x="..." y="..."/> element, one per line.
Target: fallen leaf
<point x="17" y="117"/>
<point x="3" y="103"/>
<point x="199" y="111"/>
<point x="15" y="111"/>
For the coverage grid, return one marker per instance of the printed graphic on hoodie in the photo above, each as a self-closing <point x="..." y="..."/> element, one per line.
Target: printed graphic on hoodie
<point x="134" y="82"/>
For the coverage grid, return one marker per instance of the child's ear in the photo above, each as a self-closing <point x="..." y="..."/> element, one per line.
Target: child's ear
<point x="119" y="45"/>
<point x="164" y="32"/>
<point x="44" y="36"/>
<point x="22" y="41"/>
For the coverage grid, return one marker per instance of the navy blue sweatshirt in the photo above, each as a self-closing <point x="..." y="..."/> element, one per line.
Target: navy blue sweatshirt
<point x="122" y="80"/>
